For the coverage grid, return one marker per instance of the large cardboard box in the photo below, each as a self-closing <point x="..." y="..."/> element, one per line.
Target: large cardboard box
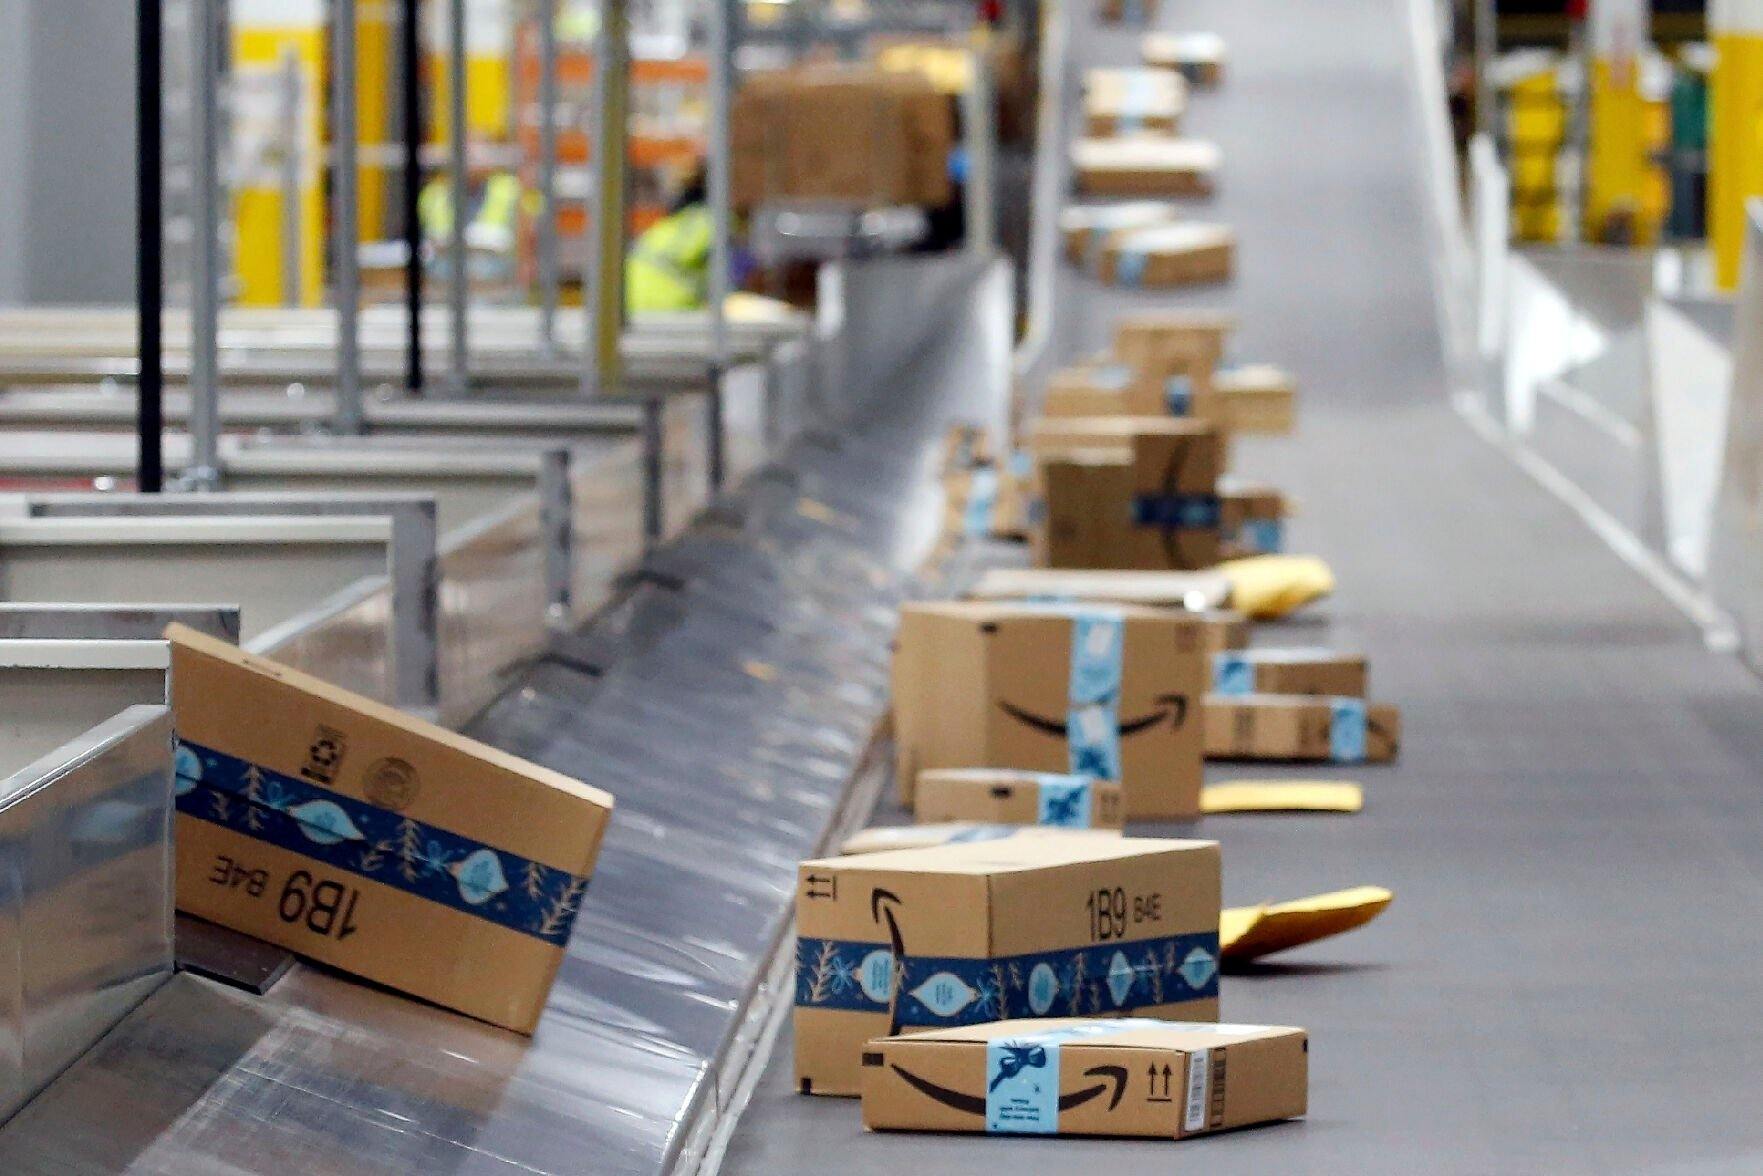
<point x="1290" y="671"/>
<point x="1128" y="493"/>
<point x="1130" y="1077"/>
<point x="1110" y="691"/>
<point x="1197" y="57"/>
<point x="377" y="843"/>
<point x="1085" y="226"/>
<point x="1304" y="729"/>
<point x="1100" y="389"/>
<point x="1251" y="519"/>
<point x="1145" y="165"/>
<point x="1252" y="398"/>
<point x="990" y="501"/>
<point x="1185" y="254"/>
<point x="1084" y="924"/>
<point x="1011" y="796"/>
<point x="1127" y="101"/>
<point x="1166" y="343"/>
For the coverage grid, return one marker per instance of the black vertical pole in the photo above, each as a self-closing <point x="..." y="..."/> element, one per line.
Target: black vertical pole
<point x="149" y="248"/>
<point x="411" y="53"/>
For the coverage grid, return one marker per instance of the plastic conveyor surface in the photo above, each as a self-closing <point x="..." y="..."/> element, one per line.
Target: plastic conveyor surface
<point x="1567" y="980"/>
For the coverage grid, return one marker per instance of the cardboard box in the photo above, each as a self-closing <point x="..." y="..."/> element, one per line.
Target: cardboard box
<point x="1253" y="398"/>
<point x="1010" y="796"/>
<point x="1128" y="101"/>
<point x="1100" y="389"/>
<point x="1251" y="519"/>
<point x="1162" y="344"/>
<point x="916" y="939"/>
<point x="1145" y="165"/>
<point x="1194" y="591"/>
<point x="1085" y="226"/>
<point x="377" y="843"/>
<point x="1197" y="57"/>
<point x="1184" y="254"/>
<point x="1150" y="502"/>
<point x="989" y="684"/>
<point x="1306" y="729"/>
<point x="988" y="501"/>
<point x="1223" y="629"/>
<point x="881" y="838"/>
<point x="1132" y="1077"/>
<point x="1290" y="671"/>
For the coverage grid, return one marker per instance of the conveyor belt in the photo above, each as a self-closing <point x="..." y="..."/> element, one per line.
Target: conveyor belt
<point x="1568" y="977"/>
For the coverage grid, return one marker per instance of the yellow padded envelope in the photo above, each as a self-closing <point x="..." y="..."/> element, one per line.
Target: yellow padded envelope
<point x="1282" y="796"/>
<point x="1248" y="933"/>
<point x="1267" y="587"/>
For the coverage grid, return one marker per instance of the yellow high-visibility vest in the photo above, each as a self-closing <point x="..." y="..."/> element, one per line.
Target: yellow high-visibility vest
<point x="669" y="265"/>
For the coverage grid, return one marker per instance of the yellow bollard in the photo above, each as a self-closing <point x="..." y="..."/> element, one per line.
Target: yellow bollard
<point x="1616" y="163"/>
<point x="1735" y="96"/>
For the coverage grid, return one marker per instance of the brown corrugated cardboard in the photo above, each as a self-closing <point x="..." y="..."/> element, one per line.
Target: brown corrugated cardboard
<point x="1101" y="389"/>
<point x="918" y="939"/>
<point x="1251" y="519"/>
<point x="981" y="684"/>
<point x="1128" y="492"/>
<point x="375" y="842"/>
<point x="1145" y="165"/>
<point x="1310" y="729"/>
<point x="1198" y="57"/>
<point x="1185" y="254"/>
<point x="1085" y="226"/>
<point x="1254" y="398"/>
<point x="1127" y="101"/>
<point x="1290" y="671"/>
<point x="1166" y="343"/>
<point x="988" y="501"/>
<point x="1137" y="1077"/>
<point x="1134" y="12"/>
<point x="1011" y="796"/>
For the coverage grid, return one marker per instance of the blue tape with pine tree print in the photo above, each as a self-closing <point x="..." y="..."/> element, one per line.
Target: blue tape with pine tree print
<point x="358" y="838"/>
<point x="1346" y="730"/>
<point x="1177" y="512"/>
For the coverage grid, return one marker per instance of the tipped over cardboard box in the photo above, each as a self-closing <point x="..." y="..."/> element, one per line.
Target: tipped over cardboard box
<point x="1290" y="671"/>
<point x="1013" y="796"/>
<point x="1145" y="165"/>
<point x="1081" y="924"/>
<point x="372" y="841"/>
<point x="1304" y="729"/>
<point x="1131" y="1077"/>
<point x="1110" y="691"/>
<point x="1184" y="254"/>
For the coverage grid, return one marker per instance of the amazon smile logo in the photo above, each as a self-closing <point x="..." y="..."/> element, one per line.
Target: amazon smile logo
<point x="1172" y="708"/>
<point x="1113" y="1084"/>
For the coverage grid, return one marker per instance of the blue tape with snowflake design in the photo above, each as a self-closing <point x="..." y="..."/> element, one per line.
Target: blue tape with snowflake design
<point x="359" y="838"/>
<point x="1176" y="512"/>
<point x="950" y="991"/>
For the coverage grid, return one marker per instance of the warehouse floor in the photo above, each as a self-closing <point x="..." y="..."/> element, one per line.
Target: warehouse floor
<point x="1568" y="979"/>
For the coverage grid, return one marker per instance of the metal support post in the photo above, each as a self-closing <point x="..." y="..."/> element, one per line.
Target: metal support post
<point x="557" y="530"/>
<point x="654" y="467"/>
<point x="547" y="226"/>
<point x="717" y="190"/>
<point x="603" y="369"/>
<point x="460" y="380"/>
<point x="205" y="244"/>
<point x="979" y="112"/>
<point x="410" y="115"/>
<point x="149" y="246"/>
<point x="346" y="224"/>
<point x="289" y="118"/>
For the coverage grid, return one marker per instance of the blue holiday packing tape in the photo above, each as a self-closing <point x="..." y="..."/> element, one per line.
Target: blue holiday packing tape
<point x="1346" y="730"/>
<point x="1022" y="1074"/>
<point x="1232" y="673"/>
<point x="1129" y="268"/>
<point x="1263" y="536"/>
<point x="1176" y="512"/>
<point x="1092" y="736"/>
<point x="982" y="499"/>
<point x="1178" y="394"/>
<point x="374" y="843"/>
<point x="953" y="991"/>
<point x="1064" y="801"/>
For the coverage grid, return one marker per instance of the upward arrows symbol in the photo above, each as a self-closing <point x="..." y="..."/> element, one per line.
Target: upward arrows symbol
<point x="1167" y="1072"/>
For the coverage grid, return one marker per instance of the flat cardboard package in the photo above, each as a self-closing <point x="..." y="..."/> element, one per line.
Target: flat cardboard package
<point x="1011" y="796"/>
<point x="1085" y="226"/>
<point x="881" y="838"/>
<point x="1145" y="165"/>
<point x="1127" y="101"/>
<point x="1108" y="690"/>
<point x="1195" y="591"/>
<point x="377" y="843"/>
<point x="1100" y="389"/>
<point x="1309" y="729"/>
<point x="1132" y="1077"/>
<point x="1082" y="924"/>
<point x="1251" y="519"/>
<point x="1252" y="398"/>
<point x="1198" y="57"/>
<point x="1165" y="343"/>
<point x="1290" y="671"/>
<point x="1184" y="254"/>
<point x="1128" y="493"/>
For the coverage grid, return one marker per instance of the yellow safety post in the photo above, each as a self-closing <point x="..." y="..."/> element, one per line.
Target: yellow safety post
<point x="1616" y="164"/>
<point x="269" y="37"/>
<point x="489" y="74"/>
<point x="1536" y="128"/>
<point x="375" y="24"/>
<point x="1735" y="96"/>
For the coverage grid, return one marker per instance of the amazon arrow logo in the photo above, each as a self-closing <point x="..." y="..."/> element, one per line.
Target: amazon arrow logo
<point x="975" y="1104"/>
<point x="1173" y="707"/>
<point x="881" y="909"/>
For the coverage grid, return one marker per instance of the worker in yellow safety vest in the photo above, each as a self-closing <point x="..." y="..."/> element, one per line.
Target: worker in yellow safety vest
<point x="668" y="267"/>
<point x="496" y="200"/>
